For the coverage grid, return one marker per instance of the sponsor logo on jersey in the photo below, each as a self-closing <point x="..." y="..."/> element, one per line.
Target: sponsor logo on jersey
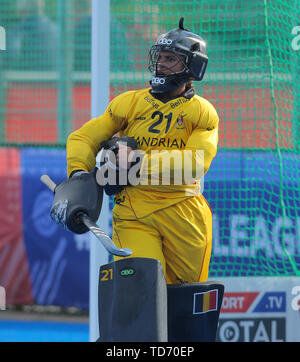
<point x="180" y="122"/>
<point x="151" y="101"/>
<point x="119" y="200"/>
<point x="178" y="102"/>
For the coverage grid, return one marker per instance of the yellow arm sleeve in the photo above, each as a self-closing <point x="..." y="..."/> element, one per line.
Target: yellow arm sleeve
<point x="84" y="144"/>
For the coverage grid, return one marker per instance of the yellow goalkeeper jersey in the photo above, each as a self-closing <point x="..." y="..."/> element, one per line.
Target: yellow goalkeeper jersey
<point x="159" y="127"/>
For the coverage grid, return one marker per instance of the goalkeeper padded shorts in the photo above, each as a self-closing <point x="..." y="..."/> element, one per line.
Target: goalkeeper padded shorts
<point x="180" y="236"/>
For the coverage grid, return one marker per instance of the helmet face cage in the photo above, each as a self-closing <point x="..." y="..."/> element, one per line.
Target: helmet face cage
<point x="180" y="42"/>
<point x="154" y="60"/>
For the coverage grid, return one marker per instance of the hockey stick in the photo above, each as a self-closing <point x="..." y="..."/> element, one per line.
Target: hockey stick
<point x="92" y="226"/>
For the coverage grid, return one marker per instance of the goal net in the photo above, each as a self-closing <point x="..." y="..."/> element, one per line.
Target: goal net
<point x="253" y="80"/>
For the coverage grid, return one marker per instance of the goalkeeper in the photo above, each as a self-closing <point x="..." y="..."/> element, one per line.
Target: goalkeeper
<point x="171" y="223"/>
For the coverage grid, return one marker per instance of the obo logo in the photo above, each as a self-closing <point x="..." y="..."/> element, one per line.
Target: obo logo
<point x="157" y="80"/>
<point x="2" y="38"/>
<point x="165" y="41"/>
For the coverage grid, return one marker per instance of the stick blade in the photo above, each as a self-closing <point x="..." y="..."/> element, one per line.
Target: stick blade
<point x="104" y="238"/>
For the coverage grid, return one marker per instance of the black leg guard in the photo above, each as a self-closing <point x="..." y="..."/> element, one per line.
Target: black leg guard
<point x="133" y="301"/>
<point x="193" y="311"/>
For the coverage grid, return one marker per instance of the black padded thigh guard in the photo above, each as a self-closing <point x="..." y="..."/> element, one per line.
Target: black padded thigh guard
<point x="193" y="311"/>
<point x="82" y="194"/>
<point x="133" y="301"/>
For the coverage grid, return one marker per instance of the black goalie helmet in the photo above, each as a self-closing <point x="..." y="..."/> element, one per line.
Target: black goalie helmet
<point x="189" y="50"/>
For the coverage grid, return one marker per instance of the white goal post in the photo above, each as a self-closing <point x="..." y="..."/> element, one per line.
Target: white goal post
<point x="100" y="100"/>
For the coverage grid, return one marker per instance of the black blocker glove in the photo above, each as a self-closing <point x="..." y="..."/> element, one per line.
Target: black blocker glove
<point x="80" y="193"/>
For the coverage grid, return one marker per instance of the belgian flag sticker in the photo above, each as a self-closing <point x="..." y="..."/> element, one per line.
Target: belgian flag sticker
<point x="205" y="302"/>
